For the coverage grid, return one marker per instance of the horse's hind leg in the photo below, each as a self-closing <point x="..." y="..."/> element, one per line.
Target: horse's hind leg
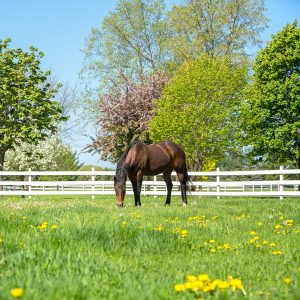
<point x="182" y="179"/>
<point x="168" y="181"/>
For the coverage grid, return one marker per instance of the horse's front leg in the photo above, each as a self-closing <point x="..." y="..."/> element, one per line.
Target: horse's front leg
<point x="168" y="181"/>
<point x="137" y="185"/>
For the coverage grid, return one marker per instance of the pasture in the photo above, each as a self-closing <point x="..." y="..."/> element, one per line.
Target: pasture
<point x="79" y="248"/>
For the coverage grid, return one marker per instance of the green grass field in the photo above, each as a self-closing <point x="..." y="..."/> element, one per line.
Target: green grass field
<point x="79" y="248"/>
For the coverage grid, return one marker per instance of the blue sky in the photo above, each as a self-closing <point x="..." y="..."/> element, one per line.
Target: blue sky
<point x="59" y="29"/>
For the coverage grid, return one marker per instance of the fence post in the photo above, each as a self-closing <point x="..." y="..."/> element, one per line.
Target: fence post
<point x="93" y="180"/>
<point x="281" y="178"/>
<point x="29" y="180"/>
<point x="218" y="180"/>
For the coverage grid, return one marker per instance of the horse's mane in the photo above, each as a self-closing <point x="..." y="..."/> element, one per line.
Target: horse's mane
<point x="121" y="170"/>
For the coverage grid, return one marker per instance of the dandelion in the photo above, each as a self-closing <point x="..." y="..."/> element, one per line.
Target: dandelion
<point x="179" y="287"/>
<point x="278" y="252"/>
<point x="17" y="292"/>
<point x="289" y="222"/>
<point x="287" y="280"/>
<point x="203" y="277"/>
<point x="212" y="250"/>
<point x="252" y="232"/>
<point x="278" y="226"/>
<point x="272" y="244"/>
<point x="226" y="246"/>
<point x="123" y="223"/>
<point x="191" y="278"/>
<point x="54" y="227"/>
<point x="158" y="228"/>
<point x="184" y="233"/>
<point x="265" y="242"/>
<point x="43" y="226"/>
<point x="212" y="241"/>
<point x="223" y="285"/>
<point x="260" y="223"/>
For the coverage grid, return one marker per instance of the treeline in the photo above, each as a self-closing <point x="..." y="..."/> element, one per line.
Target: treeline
<point x="184" y="74"/>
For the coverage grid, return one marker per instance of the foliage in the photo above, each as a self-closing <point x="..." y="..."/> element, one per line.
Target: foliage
<point x="132" y="38"/>
<point x="47" y="155"/>
<point x="27" y="111"/>
<point x="62" y="248"/>
<point x="124" y="114"/>
<point x="216" y="27"/>
<point x="271" y="113"/>
<point x="198" y="109"/>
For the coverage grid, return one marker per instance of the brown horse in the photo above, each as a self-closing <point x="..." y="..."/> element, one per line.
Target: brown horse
<point x="140" y="159"/>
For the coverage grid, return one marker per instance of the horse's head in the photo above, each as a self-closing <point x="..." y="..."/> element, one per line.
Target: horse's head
<point x="120" y="190"/>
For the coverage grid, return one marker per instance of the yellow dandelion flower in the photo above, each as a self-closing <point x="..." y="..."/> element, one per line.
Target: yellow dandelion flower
<point x="252" y="232"/>
<point x="43" y="226"/>
<point x="278" y="252"/>
<point x="213" y="285"/>
<point x="203" y="277"/>
<point x="260" y="223"/>
<point x="212" y="241"/>
<point x="287" y="280"/>
<point x="54" y="227"/>
<point x="226" y="246"/>
<point x="179" y="287"/>
<point x="158" y="228"/>
<point x="124" y="223"/>
<point x="236" y="284"/>
<point x="191" y="278"/>
<point x="278" y="226"/>
<point x="272" y="244"/>
<point x="223" y="285"/>
<point x="212" y="250"/>
<point x="17" y="292"/>
<point x="265" y="242"/>
<point x="289" y="222"/>
<point x="184" y="233"/>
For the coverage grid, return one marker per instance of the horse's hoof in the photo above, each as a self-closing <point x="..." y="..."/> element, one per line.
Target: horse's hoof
<point x="120" y="204"/>
<point x="184" y="204"/>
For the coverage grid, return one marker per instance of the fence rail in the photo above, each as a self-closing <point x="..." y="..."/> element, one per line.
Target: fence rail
<point x="216" y="183"/>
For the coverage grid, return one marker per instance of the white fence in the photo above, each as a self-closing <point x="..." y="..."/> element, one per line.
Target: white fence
<point x="283" y="183"/>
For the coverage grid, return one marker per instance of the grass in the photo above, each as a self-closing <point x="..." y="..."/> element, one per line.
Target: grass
<point x="90" y="249"/>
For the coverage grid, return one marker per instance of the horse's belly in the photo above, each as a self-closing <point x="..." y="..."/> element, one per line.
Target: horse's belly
<point x="157" y="166"/>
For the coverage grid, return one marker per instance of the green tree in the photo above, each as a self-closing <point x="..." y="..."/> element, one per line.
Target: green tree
<point x="27" y="111"/>
<point x="222" y="27"/>
<point x="199" y="109"/>
<point x="132" y="38"/>
<point x="272" y="111"/>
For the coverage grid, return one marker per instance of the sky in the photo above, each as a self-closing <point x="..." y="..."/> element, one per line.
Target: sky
<point x="59" y="29"/>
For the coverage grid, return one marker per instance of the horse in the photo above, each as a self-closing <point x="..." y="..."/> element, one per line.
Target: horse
<point x="140" y="160"/>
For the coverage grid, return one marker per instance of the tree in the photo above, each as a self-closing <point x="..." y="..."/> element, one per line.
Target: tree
<point x="27" y="111"/>
<point x="132" y="38"/>
<point x="222" y="27"/>
<point x="272" y="111"/>
<point x="47" y="155"/>
<point x="124" y="114"/>
<point x="198" y="109"/>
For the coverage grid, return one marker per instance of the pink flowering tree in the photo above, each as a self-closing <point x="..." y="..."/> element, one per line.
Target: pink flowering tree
<point x="124" y="113"/>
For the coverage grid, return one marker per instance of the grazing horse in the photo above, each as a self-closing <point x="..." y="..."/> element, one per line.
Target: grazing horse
<point x="140" y="159"/>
